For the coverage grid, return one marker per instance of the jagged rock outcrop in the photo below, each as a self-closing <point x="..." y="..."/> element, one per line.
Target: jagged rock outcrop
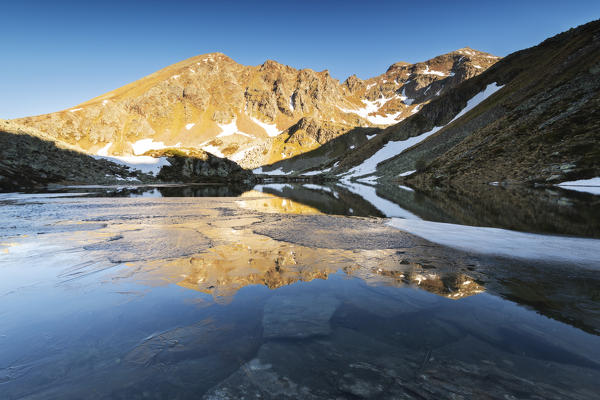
<point x="190" y="165"/>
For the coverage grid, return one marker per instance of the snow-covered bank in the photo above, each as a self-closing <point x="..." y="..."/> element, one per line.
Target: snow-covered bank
<point x="506" y="243"/>
<point x="583" y="185"/>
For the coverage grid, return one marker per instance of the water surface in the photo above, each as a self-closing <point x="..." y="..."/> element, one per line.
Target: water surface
<point x="279" y="293"/>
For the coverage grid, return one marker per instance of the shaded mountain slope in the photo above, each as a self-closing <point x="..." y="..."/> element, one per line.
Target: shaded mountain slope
<point x="30" y="158"/>
<point x="541" y="126"/>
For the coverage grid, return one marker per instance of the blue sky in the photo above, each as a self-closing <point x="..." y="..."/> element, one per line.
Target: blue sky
<point x="56" y="54"/>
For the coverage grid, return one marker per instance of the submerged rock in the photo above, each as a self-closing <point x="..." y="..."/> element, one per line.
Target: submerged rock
<point x="298" y="315"/>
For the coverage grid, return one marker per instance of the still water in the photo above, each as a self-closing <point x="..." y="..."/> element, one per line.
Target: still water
<point x="299" y="291"/>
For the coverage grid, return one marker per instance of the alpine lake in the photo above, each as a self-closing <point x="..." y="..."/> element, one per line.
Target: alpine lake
<point x="299" y="291"/>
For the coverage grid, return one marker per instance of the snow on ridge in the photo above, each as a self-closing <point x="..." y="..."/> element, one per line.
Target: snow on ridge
<point x="389" y="150"/>
<point x="432" y="72"/>
<point x="407" y="173"/>
<point x="373" y="107"/>
<point x="392" y="149"/>
<point x="76" y="109"/>
<point x="271" y="129"/>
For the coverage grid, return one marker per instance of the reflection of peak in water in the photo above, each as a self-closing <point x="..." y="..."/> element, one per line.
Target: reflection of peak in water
<point x="327" y="198"/>
<point x="266" y="202"/>
<point x="258" y="260"/>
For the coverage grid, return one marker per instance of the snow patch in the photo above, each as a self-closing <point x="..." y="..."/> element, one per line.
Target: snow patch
<point x="583" y="185"/>
<point x="75" y="109"/>
<point x="144" y="145"/>
<point x="432" y="72"/>
<point x="104" y="151"/>
<point x="311" y="173"/>
<point x="373" y="107"/>
<point x="277" y="171"/>
<point x="231" y="129"/>
<point x="214" y="150"/>
<point x="407" y="173"/>
<point x="389" y="150"/>
<point x="146" y="164"/>
<point x="189" y="126"/>
<point x="271" y="129"/>
<point x="505" y="243"/>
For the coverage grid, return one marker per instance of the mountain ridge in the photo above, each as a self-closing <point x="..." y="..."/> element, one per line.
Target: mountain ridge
<point x="213" y="103"/>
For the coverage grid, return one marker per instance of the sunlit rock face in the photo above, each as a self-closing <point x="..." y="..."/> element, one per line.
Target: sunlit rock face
<point x="243" y="112"/>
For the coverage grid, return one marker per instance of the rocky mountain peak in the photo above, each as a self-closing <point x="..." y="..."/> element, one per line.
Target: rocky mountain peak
<point x="213" y="103"/>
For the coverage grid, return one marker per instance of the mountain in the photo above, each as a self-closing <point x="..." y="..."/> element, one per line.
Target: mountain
<point x="253" y="115"/>
<point x="533" y="117"/>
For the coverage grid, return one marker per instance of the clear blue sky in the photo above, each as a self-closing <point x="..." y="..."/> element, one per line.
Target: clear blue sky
<point x="56" y="54"/>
